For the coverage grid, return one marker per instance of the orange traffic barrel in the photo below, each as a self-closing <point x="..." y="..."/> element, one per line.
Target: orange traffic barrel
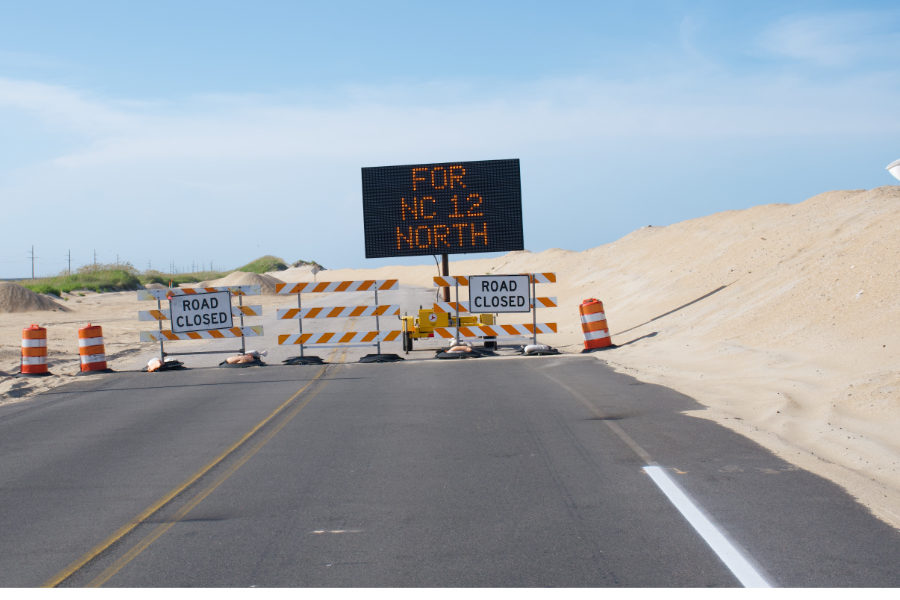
<point x="91" y="349"/>
<point x="34" y="351"/>
<point x="593" y="324"/>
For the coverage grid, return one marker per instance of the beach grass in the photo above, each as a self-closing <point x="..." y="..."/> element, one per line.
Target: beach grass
<point x="264" y="264"/>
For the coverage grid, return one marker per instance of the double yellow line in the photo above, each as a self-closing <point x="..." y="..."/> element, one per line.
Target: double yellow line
<point x="156" y="533"/>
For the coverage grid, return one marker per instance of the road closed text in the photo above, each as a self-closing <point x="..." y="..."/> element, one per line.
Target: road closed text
<point x="499" y="293"/>
<point x="201" y="312"/>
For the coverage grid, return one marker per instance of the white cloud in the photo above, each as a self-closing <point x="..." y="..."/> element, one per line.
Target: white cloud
<point x="64" y="107"/>
<point x="383" y="121"/>
<point x="835" y="40"/>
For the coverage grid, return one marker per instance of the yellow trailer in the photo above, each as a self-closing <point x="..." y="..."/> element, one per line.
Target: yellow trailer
<point x="422" y="326"/>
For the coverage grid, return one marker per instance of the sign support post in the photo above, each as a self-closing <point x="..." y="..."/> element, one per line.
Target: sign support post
<point x="162" y="352"/>
<point x="300" y="322"/>
<point x="377" y="325"/>
<point x="456" y="280"/>
<point x="445" y="271"/>
<point x="534" y="304"/>
<point x="243" y="340"/>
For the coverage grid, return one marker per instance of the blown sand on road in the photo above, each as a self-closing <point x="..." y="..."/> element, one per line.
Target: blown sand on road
<point x="782" y="319"/>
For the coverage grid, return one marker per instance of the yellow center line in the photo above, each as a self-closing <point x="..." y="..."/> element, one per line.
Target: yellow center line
<point x="156" y="533"/>
<point x="118" y="534"/>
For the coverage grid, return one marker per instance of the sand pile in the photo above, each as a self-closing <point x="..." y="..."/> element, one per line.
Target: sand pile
<point x="784" y="319"/>
<point x="265" y="281"/>
<point x="156" y="286"/>
<point x="298" y="274"/>
<point x="14" y="299"/>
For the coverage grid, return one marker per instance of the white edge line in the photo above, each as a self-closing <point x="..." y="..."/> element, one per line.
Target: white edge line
<point x="731" y="556"/>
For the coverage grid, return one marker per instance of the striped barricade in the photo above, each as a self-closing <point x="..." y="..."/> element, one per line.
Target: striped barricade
<point x="165" y="314"/>
<point x="463" y="305"/>
<point x="452" y="280"/>
<point x="212" y="334"/>
<point x="338" y="286"/>
<point x="333" y="312"/>
<point x="495" y="331"/>
<point x="541" y="277"/>
<point x="358" y="338"/>
<point x="458" y="307"/>
<point x="165" y="294"/>
<point x="366" y="338"/>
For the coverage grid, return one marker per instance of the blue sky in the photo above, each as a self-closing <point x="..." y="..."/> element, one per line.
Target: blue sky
<point x="221" y="131"/>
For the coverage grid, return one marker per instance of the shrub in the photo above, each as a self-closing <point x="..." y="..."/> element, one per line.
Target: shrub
<point x="264" y="264"/>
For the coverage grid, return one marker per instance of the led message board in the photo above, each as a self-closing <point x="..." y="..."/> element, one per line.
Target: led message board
<point x="443" y="208"/>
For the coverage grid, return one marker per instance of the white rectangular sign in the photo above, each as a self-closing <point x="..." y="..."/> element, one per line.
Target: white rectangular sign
<point x="201" y="312"/>
<point x="499" y="293"/>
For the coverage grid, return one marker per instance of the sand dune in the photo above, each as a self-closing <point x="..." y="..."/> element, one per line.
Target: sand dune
<point x="266" y="282"/>
<point x="796" y="342"/>
<point x="17" y="299"/>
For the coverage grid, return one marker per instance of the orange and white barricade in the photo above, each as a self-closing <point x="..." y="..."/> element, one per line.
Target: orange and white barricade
<point x="593" y="324"/>
<point x="346" y="338"/>
<point x="496" y="331"/>
<point x="463" y="305"/>
<point x="238" y="330"/>
<point x="91" y="349"/>
<point x="34" y="352"/>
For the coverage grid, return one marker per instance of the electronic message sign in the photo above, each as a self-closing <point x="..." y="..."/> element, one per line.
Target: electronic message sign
<point x="443" y="208"/>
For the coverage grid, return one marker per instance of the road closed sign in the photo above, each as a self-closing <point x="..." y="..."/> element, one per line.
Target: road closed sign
<point x="499" y="293"/>
<point x="201" y="312"/>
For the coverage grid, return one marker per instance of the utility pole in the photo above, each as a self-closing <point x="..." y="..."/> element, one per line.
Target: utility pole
<point x="95" y="258"/>
<point x="70" y="262"/>
<point x="32" y="262"/>
<point x="148" y="265"/>
<point x="117" y="260"/>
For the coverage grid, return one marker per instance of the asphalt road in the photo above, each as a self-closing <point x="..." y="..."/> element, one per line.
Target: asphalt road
<point x="539" y="471"/>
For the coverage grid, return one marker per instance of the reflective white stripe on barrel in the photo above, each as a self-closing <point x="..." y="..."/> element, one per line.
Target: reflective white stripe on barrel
<point x="593" y="318"/>
<point x="34" y="360"/>
<point x="596" y="335"/>
<point x="93" y="358"/>
<point x="97" y="341"/>
<point x="42" y="343"/>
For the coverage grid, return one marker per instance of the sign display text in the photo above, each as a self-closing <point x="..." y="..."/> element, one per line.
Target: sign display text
<point x="499" y="293"/>
<point x="201" y="312"/>
<point x="443" y="208"/>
